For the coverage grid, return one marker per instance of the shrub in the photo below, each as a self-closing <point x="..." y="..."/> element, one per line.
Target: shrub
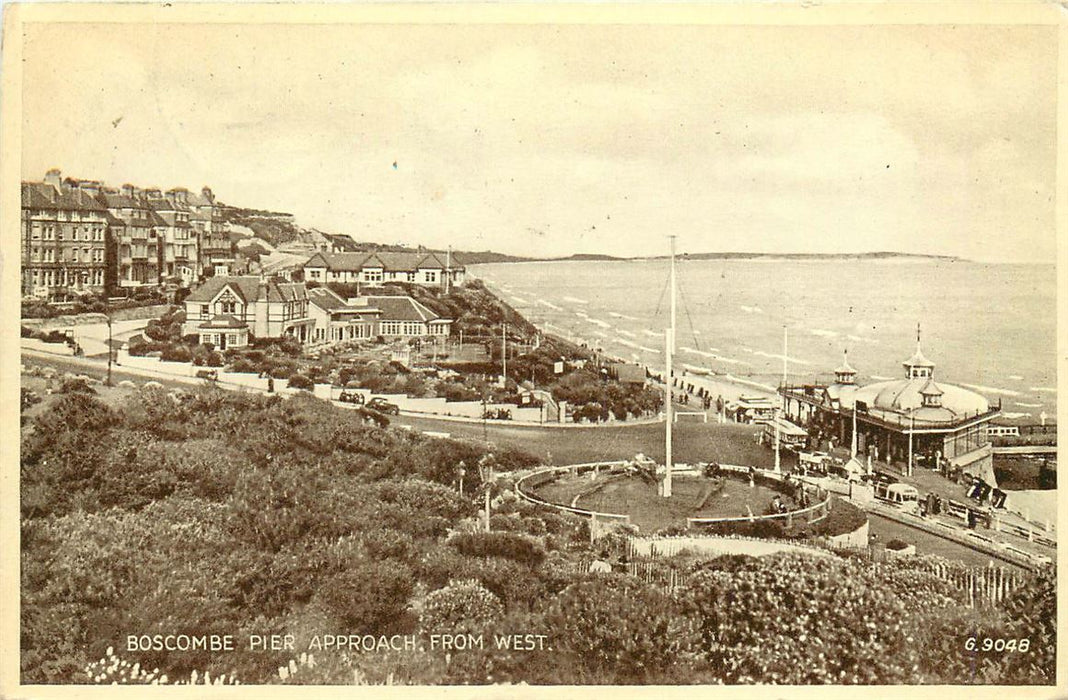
<point x="369" y="597"/>
<point x="76" y="385"/>
<point x="242" y="364"/>
<point x="177" y="353"/>
<point x="299" y="381"/>
<point x="499" y="544"/>
<point x="461" y="606"/>
<point x="616" y="630"/>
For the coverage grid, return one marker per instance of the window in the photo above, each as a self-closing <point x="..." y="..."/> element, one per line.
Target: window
<point x="205" y="310"/>
<point x="228" y="307"/>
<point x="231" y="338"/>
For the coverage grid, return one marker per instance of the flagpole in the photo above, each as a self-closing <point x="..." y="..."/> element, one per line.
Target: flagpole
<point x="669" y="341"/>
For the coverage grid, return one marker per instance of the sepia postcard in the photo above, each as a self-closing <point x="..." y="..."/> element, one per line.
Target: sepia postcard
<point x="494" y="350"/>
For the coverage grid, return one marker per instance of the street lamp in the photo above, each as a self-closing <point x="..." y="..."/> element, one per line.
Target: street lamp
<point x="485" y="468"/>
<point x="107" y="315"/>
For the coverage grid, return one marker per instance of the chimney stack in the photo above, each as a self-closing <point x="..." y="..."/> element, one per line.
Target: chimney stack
<point x="54" y="177"/>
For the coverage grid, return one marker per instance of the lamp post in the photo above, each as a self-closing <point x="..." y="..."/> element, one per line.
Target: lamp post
<point x="912" y="426"/>
<point x="485" y="467"/>
<point x="111" y="349"/>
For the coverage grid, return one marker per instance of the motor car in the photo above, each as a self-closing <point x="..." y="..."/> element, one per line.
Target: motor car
<point x="209" y="374"/>
<point x="352" y="397"/>
<point x="382" y="406"/>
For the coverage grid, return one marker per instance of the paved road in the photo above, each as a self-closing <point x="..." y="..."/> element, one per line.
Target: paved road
<point x="695" y="442"/>
<point x="93" y="337"/>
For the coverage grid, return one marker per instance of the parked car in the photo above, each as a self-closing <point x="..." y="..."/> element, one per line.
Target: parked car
<point x="209" y="374"/>
<point x="382" y="406"/>
<point x="353" y="397"/>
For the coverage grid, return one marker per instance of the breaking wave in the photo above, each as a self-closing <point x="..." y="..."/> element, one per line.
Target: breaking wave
<point x="991" y="389"/>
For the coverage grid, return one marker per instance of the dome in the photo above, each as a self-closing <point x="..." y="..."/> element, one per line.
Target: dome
<point x="904" y="395"/>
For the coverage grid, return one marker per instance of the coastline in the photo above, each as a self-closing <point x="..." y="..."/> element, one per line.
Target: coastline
<point x="731" y="388"/>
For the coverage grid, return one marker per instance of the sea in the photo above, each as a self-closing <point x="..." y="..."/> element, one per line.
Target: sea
<point x="990" y="328"/>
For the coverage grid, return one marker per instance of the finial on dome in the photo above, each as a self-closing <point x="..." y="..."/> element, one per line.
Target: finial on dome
<point x="845" y="374"/>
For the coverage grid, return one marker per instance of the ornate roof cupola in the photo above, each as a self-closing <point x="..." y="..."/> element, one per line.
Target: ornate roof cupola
<point x="930" y="394"/>
<point x="918" y="366"/>
<point x="845" y="374"/>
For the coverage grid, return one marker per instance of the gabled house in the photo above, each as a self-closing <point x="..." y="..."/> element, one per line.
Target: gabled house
<point x="429" y="269"/>
<point x="337" y="319"/>
<point x="404" y="317"/>
<point x="228" y="311"/>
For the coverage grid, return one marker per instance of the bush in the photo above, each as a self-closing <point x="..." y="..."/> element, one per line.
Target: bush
<point x="499" y="544"/>
<point x="299" y="381"/>
<point x="76" y="386"/>
<point x="177" y="353"/>
<point x="369" y="597"/>
<point x="242" y="364"/>
<point x="461" y="606"/>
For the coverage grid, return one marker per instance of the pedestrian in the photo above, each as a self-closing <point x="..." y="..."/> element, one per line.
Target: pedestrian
<point x="270" y="385"/>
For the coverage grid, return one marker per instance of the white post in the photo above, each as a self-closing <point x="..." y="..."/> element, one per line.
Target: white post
<point x="448" y="268"/>
<point x="669" y="341"/>
<point x="854" y="429"/>
<point x="779" y="412"/>
<point x="912" y="426"/>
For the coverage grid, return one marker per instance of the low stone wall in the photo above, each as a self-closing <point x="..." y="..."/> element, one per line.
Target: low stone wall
<point x="137" y="313"/>
<point x="52" y="348"/>
<point x="857" y="539"/>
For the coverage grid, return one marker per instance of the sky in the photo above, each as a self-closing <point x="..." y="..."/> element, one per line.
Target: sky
<point x="549" y="140"/>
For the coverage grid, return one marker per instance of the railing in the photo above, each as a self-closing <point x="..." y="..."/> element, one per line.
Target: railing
<point x="820" y="509"/>
<point x="878" y="416"/>
<point x="552" y="471"/>
<point x="537" y="478"/>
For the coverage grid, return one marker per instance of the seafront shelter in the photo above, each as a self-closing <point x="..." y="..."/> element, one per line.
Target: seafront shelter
<point x="910" y="421"/>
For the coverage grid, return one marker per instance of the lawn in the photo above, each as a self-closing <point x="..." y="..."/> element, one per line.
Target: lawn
<point x="631" y="495"/>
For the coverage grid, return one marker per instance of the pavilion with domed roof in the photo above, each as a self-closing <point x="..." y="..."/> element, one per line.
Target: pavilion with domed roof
<point x="911" y="421"/>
